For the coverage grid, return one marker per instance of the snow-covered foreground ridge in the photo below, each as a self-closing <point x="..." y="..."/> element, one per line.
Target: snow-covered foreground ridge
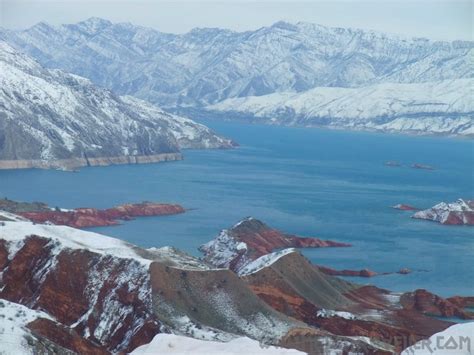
<point x="49" y="118"/>
<point x="121" y="296"/>
<point x="443" y="107"/>
<point x="174" y="344"/>
<point x="456" y="340"/>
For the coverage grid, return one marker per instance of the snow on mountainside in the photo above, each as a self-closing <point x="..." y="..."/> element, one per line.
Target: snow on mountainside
<point x="208" y="65"/>
<point x="444" y="107"/>
<point x="121" y="296"/>
<point x="264" y="261"/>
<point x="49" y="118"/>
<point x="13" y="332"/>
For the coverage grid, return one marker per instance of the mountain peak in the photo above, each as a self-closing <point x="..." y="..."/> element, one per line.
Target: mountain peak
<point x="94" y="24"/>
<point x="284" y="25"/>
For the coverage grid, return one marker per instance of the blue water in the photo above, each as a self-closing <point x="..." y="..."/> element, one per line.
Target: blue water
<point x="330" y="184"/>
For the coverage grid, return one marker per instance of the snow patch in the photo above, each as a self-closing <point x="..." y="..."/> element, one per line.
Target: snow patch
<point x="174" y="344"/>
<point x="264" y="261"/>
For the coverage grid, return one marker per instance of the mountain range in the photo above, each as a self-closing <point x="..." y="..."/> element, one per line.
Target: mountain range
<point x="443" y="108"/>
<point x="207" y="66"/>
<point x="49" y="118"/>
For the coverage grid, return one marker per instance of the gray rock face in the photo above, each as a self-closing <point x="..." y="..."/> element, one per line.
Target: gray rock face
<point x="206" y="66"/>
<point x="49" y="118"/>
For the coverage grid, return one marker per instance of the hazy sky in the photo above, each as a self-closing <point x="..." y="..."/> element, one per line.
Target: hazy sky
<point x="437" y="19"/>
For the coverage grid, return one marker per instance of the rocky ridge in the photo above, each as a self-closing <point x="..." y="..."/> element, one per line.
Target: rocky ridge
<point x="442" y="108"/>
<point x="52" y="119"/>
<point x="315" y="76"/>
<point x="287" y="281"/>
<point x="121" y="296"/>
<point x="251" y="239"/>
<point x="208" y="65"/>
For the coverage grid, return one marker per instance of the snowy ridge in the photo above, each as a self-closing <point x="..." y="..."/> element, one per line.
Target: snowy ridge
<point x="444" y="107"/>
<point x="49" y="115"/>
<point x="264" y="261"/>
<point x="207" y="65"/>
<point x="70" y="238"/>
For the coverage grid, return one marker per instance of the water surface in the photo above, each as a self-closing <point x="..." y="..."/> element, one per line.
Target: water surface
<point x="329" y="184"/>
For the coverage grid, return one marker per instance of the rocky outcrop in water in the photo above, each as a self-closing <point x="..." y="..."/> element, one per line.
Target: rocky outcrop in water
<point x="454" y="213"/>
<point x="91" y="217"/>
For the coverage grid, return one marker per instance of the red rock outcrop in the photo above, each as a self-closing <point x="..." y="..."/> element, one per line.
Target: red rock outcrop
<point x="462" y="302"/>
<point x="64" y="337"/>
<point x="91" y="217"/>
<point x="82" y="290"/>
<point x="428" y="303"/>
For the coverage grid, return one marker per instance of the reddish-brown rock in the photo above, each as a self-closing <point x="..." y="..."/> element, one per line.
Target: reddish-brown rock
<point x="462" y="302"/>
<point x="250" y="239"/>
<point x="294" y="287"/>
<point x="428" y="303"/>
<point x="64" y="337"/>
<point x="91" y="217"/>
<point x="83" y="290"/>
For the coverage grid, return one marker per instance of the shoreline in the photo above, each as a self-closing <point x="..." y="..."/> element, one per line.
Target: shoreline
<point x="74" y="163"/>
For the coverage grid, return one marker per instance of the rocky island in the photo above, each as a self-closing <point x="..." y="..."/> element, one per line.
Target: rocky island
<point x="85" y="217"/>
<point x="460" y="212"/>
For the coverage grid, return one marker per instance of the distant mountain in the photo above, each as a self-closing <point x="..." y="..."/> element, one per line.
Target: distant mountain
<point x="49" y="118"/>
<point x="444" y="107"/>
<point x="301" y="73"/>
<point x="208" y="65"/>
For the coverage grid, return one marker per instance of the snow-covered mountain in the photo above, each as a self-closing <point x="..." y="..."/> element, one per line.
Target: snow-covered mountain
<point x="444" y="107"/>
<point x="208" y="65"/>
<point x="49" y="118"/>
